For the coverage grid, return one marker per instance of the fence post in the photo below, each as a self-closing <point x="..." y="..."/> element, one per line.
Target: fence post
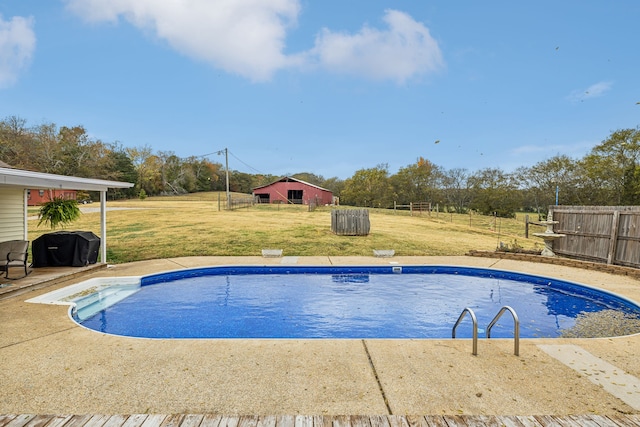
<point x="611" y="253"/>
<point x="526" y="226"/>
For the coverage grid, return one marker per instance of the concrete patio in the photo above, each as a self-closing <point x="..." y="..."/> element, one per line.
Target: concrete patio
<point x="53" y="366"/>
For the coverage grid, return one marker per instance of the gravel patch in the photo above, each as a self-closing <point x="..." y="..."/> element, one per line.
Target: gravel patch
<point x="602" y="324"/>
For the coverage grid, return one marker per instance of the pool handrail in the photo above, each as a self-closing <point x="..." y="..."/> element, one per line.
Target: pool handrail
<point x="474" y="320"/>
<point x="516" y="327"/>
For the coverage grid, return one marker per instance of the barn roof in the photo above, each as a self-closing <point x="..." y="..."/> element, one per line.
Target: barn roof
<point x="291" y="179"/>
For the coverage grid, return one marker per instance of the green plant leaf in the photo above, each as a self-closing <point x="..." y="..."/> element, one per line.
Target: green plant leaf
<point x="59" y="212"/>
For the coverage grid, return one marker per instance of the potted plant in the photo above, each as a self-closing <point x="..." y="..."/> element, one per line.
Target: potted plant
<point x="59" y="212"/>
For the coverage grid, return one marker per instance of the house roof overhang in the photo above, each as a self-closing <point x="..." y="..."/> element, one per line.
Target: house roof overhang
<point x="28" y="179"/>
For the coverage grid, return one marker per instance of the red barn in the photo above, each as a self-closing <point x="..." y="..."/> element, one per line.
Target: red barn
<point x="40" y="196"/>
<point x="292" y="190"/>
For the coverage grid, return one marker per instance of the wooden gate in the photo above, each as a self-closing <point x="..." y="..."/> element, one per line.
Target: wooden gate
<point x="350" y="222"/>
<point x="609" y="234"/>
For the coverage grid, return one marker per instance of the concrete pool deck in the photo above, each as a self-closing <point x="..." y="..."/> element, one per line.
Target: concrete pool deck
<point x="50" y="365"/>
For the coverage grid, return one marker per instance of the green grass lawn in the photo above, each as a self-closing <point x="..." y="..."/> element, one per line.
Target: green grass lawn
<point x="190" y="225"/>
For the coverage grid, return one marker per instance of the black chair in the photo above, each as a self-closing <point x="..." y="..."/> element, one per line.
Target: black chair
<point x="13" y="253"/>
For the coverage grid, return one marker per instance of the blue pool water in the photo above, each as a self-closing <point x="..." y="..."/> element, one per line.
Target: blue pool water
<point x="346" y="302"/>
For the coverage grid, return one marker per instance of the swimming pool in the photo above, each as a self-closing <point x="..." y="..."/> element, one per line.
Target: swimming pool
<point x="338" y="302"/>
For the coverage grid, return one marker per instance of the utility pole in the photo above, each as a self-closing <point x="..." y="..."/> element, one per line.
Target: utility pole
<point x="226" y="167"/>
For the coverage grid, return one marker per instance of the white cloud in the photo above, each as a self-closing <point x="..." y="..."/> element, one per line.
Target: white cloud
<point x="17" y="44"/>
<point x="247" y="37"/>
<point x="404" y="50"/>
<point x="593" y="91"/>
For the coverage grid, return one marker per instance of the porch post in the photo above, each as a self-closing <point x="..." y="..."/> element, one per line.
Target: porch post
<point x="25" y="214"/>
<point x="103" y="226"/>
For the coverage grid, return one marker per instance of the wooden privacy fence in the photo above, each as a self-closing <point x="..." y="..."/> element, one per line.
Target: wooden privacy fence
<point x="609" y="234"/>
<point x="350" y="222"/>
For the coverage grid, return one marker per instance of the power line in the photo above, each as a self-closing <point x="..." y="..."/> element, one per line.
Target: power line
<point x="225" y="150"/>
<point x="219" y="152"/>
<point x="247" y="165"/>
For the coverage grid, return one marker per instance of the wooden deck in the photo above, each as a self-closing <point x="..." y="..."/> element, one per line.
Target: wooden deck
<point x="202" y="420"/>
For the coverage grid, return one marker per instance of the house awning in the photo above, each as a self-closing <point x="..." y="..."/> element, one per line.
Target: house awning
<point x="39" y="180"/>
<point x="10" y="177"/>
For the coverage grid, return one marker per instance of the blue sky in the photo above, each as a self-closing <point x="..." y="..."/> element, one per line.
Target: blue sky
<point x="327" y="86"/>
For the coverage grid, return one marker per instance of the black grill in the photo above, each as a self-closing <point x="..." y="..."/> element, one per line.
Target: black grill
<point x="65" y="248"/>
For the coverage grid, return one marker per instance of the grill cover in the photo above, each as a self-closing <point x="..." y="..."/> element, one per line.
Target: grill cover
<point x="65" y="248"/>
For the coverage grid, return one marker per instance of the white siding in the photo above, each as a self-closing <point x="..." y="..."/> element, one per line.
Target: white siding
<point x="11" y="213"/>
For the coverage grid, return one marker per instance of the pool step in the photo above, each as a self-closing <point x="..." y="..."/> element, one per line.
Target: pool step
<point x="89" y="305"/>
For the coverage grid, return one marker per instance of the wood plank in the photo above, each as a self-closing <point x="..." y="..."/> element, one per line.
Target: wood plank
<point x="360" y="421"/>
<point x="611" y="253"/>
<point x="321" y="421"/>
<point x="548" y="421"/>
<point x="210" y="420"/>
<point x="97" y="420"/>
<point x="78" y="420"/>
<point x="436" y="421"/>
<point x="303" y="421"/>
<point x="415" y="421"/>
<point x="484" y="420"/>
<point x="477" y="421"/>
<point x="285" y="421"/>
<point x="58" y="420"/>
<point x="603" y="421"/>
<point x="173" y="420"/>
<point x="379" y="421"/>
<point x="509" y="421"/>
<point x="39" y="421"/>
<point x="134" y="420"/>
<point x="6" y="418"/>
<point x="248" y="421"/>
<point x="611" y="421"/>
<point x="454" y="421"/>
<point x="341" y="421"/>
<point x="583" y="420"/>
<point x="20" y="420"/>
<point x="528" y="421"/>
<point x="154" y="420"/>
<point x="577" y="421"/>
<point x="397" y="421"/>
<point x="229" y="421"/>
<point x="267" y="421"/>
<point x="622" y="420"/>
<point x="114" y="421"/>
<point x="192" y="420"/>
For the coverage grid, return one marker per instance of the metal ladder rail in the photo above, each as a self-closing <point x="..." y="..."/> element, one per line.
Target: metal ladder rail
<point x="516" y="327"/>
<point x="474" y="320"/>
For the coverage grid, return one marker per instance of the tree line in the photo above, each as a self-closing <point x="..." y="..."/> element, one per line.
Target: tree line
<point x="608" y="175"/>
